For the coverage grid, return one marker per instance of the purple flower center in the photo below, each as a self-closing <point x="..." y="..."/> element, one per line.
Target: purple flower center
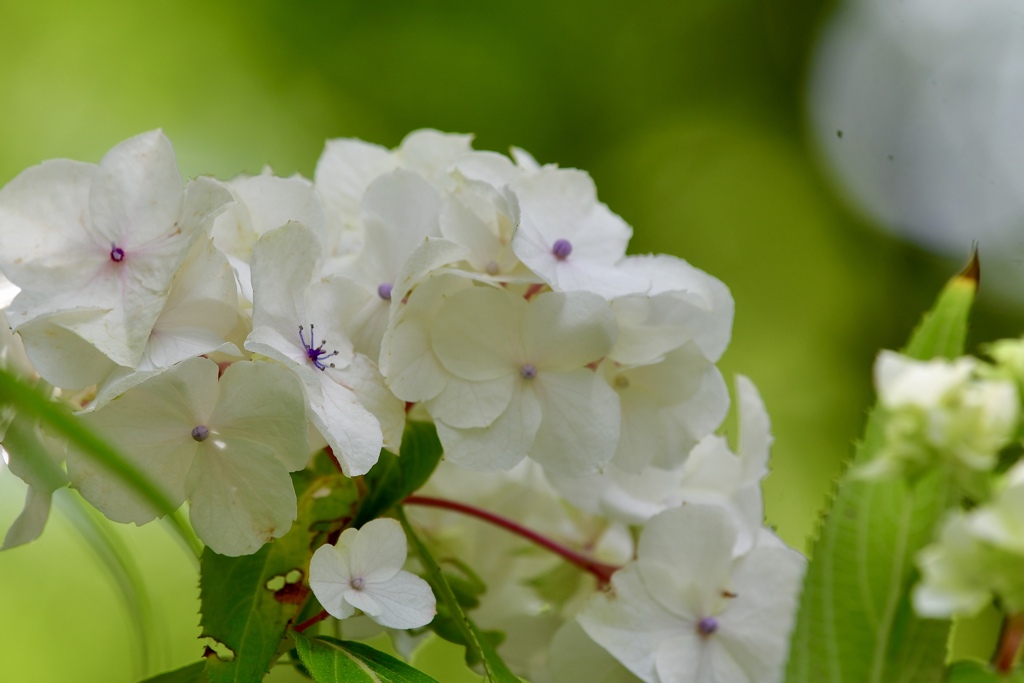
<point x="316" y="353"/>
<point x="116" y="253"/>
<point x="561" y="249"/>
<point x="357" y="583"/>
<point x="528" y="371"/>
<point x="200" y="432"/>
<point x="384" y="290"/>
<point x="707" y="626"/>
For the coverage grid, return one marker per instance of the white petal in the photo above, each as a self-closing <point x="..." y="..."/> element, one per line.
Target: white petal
<point x="345" y="169"/>
<point x="465" y="404"/>
<point x="365" y="380"/>
<point x="379" y="550"/>
<point x="151" y="426"/>
<point x="755" y="429"/>
<point x="580" y="428"/>
<point x="60" y="356"/>
<point x="565" y="332"/>
<point x="476" y="333"/>
<point x="501" y="445"/>
<point x="404" y="601"/>
<point x="136" y="197"/>
<point x="695" y="540"/>
<point x="241" y="496"/>
<point x="330" y="578"/>
<point x="262" y="404"/>
<point x="30" y="523"/>
<point x="352" y="431"/>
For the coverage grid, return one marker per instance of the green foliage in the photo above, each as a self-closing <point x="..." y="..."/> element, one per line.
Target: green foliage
<point x="395" y="477"/>
<point x="855" y="621"/>
<point x="480" y="646"/>
<point x="193" y="673"/>
<point x="979" y="672"/>
<point x="249" y="601"/>
<point x="337" y="661"/>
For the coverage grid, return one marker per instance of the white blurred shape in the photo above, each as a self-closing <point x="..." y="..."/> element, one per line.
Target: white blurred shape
<point x="918" y="109"/>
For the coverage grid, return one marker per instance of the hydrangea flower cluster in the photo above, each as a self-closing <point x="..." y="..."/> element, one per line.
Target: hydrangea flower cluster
<point x="219" y="333"/>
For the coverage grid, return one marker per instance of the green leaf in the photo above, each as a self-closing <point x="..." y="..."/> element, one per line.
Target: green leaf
<point x="395" y="477"/>
<point x="193" y="673"/>
<point x="338" y="661"/>
<point x="979" y="672"/>
<point x="855" y="623"/>
<point x="480" y="647"/>
<point x="249" y="601"/>
<point x="31" y="402"/>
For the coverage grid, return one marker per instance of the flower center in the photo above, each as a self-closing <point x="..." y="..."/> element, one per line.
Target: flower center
<point x="116" y="253"/>
<point x="561" y="249"/>
<point x="357" y="583"/>
<point x="621" y="382"/>
<point x="384" y="290"/>
<point x="707" y="626"/>
<point x="316" y="354"/>
<point x="492" y="268"/>
<point x="528" y="371"/>
<point x="200" y="432"/>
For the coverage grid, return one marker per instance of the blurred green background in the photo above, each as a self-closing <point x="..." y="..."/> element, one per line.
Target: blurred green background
<point x="689" y="116"/>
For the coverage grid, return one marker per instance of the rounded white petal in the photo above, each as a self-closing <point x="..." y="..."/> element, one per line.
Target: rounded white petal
<point x="465" y="404"/>
<point x="476" y="333"/>
<point x="241" y="496"/>
<point x="579" y="431"/>
<point x="329" y="578"/>
<point x="378" y="551"/>
<point x="404" y="601"/>
<point x="352" y="431"/>
<point x="564" y="332"/>
<point x="137" y="195"/>
<point x="499" y="446"/>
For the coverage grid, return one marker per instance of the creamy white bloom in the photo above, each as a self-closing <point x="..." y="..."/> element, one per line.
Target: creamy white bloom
<point x="941" y="411"/>
<point x="298" y="320"/>
<point x="517" y="381"/>
<point x="688" y="610"/>
<point x="570" y="239"/>
<point x="225" y="445"/>
<point x="363" y="571"/>
<point x="977" y="557"/>
<point x="711" y="474"/>
<point x="94" y="249"/>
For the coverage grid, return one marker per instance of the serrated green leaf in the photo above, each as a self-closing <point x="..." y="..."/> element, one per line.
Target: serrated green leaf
<point x="193" y="673"/>
<point x="479" y="646"/>
<point x="337" y="661"/>
<point x="855" y="623"/>
<point x="249" y="601"/>
<point x="31" y="402"/>
<point x="395" y="477"/>
<point x="979" y="672"/>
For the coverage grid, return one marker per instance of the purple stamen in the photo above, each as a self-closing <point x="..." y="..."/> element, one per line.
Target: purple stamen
<point x="200" y="432"/>
<point x="384" y="290"/>
<point x="528" y="371"/>
<point x="116" y="253"/>
<point x="357" y="583"/>
<point x="315" y="354"/>
<point x="707" y="626"/>
<point x="561" y="249"/>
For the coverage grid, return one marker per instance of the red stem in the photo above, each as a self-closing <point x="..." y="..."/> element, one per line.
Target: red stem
<point x="315" y="619"/>
<point x="1010" y="638"/>
<point x="602" y="571"/>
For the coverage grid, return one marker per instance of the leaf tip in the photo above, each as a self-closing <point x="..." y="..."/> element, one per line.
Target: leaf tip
<point x="972" y="272"/>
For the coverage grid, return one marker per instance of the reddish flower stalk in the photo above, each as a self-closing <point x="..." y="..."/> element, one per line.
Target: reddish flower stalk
<point x="603" y="572"/>
<point x="1010" y="639"/>
<point x="315" y="619"/>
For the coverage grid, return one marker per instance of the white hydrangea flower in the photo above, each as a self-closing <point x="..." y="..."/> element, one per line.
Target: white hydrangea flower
<point x="941" y="410"/>
<point x="225" y="445"/>
<point x="363" y="571"/>
<point x="513" y="377"/>
<point x="688" y="610"/>
<point x="570" y="239"/>
<point x="298" y="320"/>
<point x="977" y="557"/>
<point x="94" y="249"/>
<point x="711" y="474"/>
